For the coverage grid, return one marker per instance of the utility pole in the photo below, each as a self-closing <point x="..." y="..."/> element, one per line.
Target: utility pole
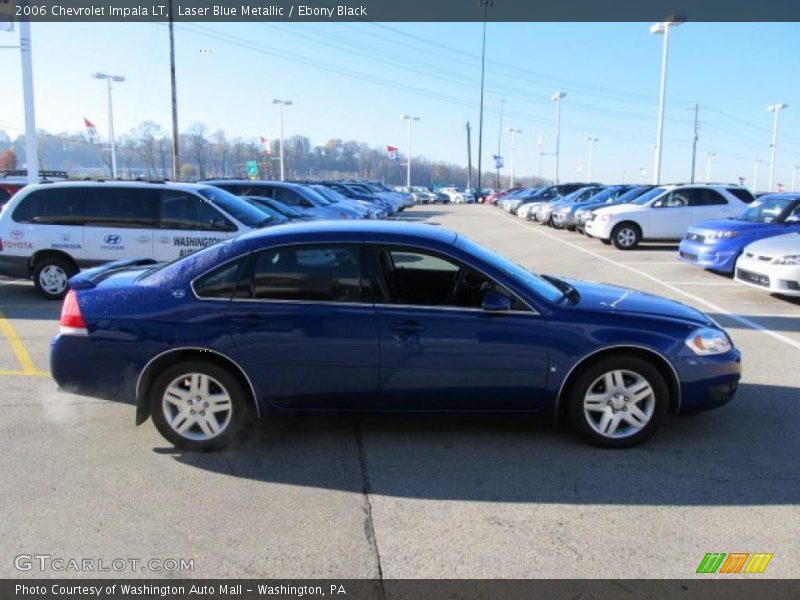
<point x="469" y="156"/>
<point x="513" y="133"/>
<point x="756" y="162"/>
<point x="774" y="108"/>
<point x="557" y="97"/>
<point x="485" y="4"/>
<point x="794" y="177"/>
<point x="694" y="142"/>
<point x="31" y="149"/>
<point x="590" y="140"/>
<point x="499" y="142"/>
<point x="176" y="160"/>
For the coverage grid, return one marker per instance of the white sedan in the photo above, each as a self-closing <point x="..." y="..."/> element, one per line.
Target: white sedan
<point x="772" y="264"/>
<point x="458" y="196"/>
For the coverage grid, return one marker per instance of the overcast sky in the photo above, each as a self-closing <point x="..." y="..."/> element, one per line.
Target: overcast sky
<point x="352" y="81"/>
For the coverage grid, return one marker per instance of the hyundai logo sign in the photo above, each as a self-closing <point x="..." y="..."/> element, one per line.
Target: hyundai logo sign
<point x="112" y="240"/>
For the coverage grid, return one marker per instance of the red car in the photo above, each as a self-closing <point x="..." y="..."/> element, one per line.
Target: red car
<point x="493" y="198"/>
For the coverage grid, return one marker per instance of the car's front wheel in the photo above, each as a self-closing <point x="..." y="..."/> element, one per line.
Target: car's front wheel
<point x="618" y="402"/>
<point x="626" y="236"/>
<point x="199" y="406"/>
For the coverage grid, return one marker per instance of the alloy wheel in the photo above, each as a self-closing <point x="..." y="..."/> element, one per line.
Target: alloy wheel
<point x="619" y="404"/>
<point x="197" y="406"/>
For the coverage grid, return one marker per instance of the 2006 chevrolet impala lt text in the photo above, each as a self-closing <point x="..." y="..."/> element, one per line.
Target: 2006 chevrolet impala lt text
<point x="384" y="317"/>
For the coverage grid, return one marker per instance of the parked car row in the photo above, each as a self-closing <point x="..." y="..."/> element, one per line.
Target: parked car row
<point x="49" y="231"/>
<point x="722" y="227"/>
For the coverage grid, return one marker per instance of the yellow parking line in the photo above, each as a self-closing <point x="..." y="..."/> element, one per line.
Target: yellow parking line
<point x="8" y="373"/>
<point x="28" y="368"/>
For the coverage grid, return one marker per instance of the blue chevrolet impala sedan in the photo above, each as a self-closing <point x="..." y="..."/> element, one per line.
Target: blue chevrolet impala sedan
<point x="380" y="316"/>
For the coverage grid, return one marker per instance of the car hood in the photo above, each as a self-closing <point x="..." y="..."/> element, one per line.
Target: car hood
<point x="602" y="297"/>
<point x="730" y="225"/>
<point x="619" y="208"/>
<point x="778" y="245"/>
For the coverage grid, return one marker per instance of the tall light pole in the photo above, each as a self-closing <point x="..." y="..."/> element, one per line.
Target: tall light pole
<point x="176" y="159"/>
<point x="663" y="29"/>
<point x="558" y="96"/>
<point x="794" y="177"/>
<point x="281" y="104"/>
<point x="410" y="120"/>
<point x="111" y="141"/>
<point x="756" y="162"/>
<point x="499" y="143"/>
<point x="485" y="4"/>
<point x="26" y="58"/>
<point x="774" y="108"/>
<point x="513" y="133"/>
<point x="709" y="156"/>
<point x="590" y="140"/>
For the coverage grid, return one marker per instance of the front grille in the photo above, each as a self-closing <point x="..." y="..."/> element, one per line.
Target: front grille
<point x="790" y="285"/>
<point x="751" y="277"/>
<point x="689" y="256"/>
<point x="695" y="237"/>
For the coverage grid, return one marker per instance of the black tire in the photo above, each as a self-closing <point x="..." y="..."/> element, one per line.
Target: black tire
<point x="605" y="241"/>
<point x="240" y="406"/>
<point x="626" y="236"/>
<point x="48" y="271"/>
<point x="586" y="381"/>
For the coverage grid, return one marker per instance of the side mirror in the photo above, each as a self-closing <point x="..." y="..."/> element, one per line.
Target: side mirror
<point x="495" y="302"/>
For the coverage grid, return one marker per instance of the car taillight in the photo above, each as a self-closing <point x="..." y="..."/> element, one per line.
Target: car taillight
<point x="72" y="322"/>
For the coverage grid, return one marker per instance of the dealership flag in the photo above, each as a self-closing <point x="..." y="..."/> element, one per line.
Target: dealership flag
<point x="91" y="131"/>
<point x="498" y="161"/>
<point x="265" y="144"/>
<point x="393" y="153"/>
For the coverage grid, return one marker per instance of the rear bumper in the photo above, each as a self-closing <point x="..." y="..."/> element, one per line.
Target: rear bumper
<point x="708" y="256"/>
<point x="17" y="267"/>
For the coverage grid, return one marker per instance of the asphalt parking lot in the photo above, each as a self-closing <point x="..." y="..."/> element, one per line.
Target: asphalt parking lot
<point x="406" y="497"/>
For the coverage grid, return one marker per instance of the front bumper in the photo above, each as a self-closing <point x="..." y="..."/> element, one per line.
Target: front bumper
<point x="776" y="279"/>
<point x="599" y="229"/>
<point x="708" y="256"/>
<point x="708" y="382"/>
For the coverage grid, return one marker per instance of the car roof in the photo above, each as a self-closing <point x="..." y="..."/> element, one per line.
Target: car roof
<point x="360" y="230"/>
<point x="116" y="184"/>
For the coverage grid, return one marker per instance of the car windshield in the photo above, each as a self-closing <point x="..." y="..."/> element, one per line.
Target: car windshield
<point x="536" y="283"/>
<point x="629" y="196"/>
<point x="767" y="209"/>
<point x="313" y="195"/>
<point x="648" y="196"/>
<point x="274" y="215"/>
<point x="239" y="209"/>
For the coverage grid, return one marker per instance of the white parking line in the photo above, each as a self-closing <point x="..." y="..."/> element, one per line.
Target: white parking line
<point x="717" y="309"/>
<point x="714" y="283"/>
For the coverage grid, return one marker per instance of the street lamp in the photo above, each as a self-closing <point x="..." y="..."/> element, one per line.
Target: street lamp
<point x="756" y="162"/>
<point x="410" y="119"/>
<point x="499" y="143"/>
<point x="662" y="29"/>
<point x="774" y="108"/>
<point x="109" y="79"/>
<point x="513" y="133"/>
<point x="558" y="96"/>
<point x="794" y="177"/>
<point x="281" y="104"/>
<point x="709" y="156"/>
<point x="590" y="140"/>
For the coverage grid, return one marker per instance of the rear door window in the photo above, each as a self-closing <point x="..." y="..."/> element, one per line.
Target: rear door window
<point x="121" y="207"/>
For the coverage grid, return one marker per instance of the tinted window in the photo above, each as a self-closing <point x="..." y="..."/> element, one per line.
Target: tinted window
<point x="181" y="210"/>
<point x="706" y="197"/>
<point x="220" y="282"/>
<point x="290" y="197"/>
<point x="325" y="273"/>
<point x="236" y="207"/>
<point x="55" y="206"/>
<point x="121" y="207"/>
<point x="422" y="279"/>
<point x="742" y="194"/>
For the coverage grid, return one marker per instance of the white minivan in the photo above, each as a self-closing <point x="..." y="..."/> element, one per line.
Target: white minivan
<point x="49" y="231"/>
<point x="665" y="213"/>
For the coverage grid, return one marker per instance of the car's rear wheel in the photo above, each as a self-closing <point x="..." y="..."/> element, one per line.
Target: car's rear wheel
<point x="618" y="402"/>
<point x="199" y="406"/>
<point x="51" y="276"/>
<point x="626" y="236"/>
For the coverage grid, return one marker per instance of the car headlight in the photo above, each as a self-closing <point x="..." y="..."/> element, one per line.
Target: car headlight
<point x="707" y="340"/>
<point x="718" y="235"/>
<point x="603" y="218"/>
<point x="791" y="259"/>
